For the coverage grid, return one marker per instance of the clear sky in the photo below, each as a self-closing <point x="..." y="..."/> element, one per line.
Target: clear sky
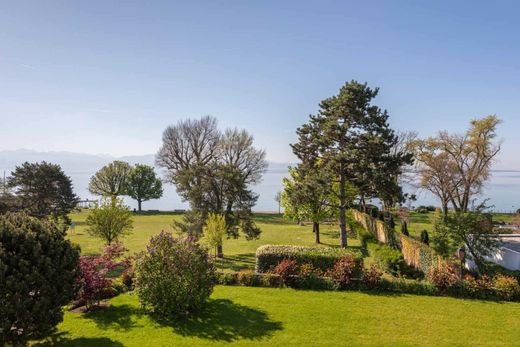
<point x="109" y="76"/>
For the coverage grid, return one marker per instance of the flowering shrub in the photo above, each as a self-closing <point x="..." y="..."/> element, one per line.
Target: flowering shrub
<point x="285" y="269"/>
<point x="506" y="287"/>
<point x="174" y="276"/>
<point x="443" y="278"/>
<point x="372" y="276"/>
<point x="343" y="272"/>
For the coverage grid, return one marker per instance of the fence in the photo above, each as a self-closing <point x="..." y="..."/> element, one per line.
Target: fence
<point x="415" y="253"/>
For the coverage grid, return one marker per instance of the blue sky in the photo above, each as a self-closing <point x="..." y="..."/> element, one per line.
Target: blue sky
<point x="109" y="76"/>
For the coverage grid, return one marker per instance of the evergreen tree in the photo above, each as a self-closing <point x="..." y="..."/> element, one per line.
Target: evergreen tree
<point x="41" y="190"/>
<point x="353" y="142"/>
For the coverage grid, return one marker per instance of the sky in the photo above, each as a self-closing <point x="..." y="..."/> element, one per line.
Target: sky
<point x="109" y="76"/>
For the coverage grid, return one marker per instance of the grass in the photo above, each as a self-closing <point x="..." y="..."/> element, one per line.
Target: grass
<point x="238" y="253"/>
<point x="424" y="221"/>
<point x="245" y="316"/>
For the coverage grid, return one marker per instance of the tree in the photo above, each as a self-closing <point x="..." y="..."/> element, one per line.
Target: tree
<point x="353" y="141"/>
<point x="278" y="199"/>
<point x="41" y="190"/>
<point x="307" y="196"/>
<point x="214" y="172"/>
<point x="109" y="220"/>
<point x="38" y="272"/>
<point x="143" y="184"/>
<point x="473" y="230"/>
<point x="214" y="231"/>
<point x="438" y="174"/>
<point x="110" y="180"/>
<point x="456" y="167"/>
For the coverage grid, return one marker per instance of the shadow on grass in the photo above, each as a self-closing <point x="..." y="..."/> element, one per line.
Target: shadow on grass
<point x="120" y="317"/>
<point x="272" y="218"/>
<point x="225" y="321"/>
<point x="237" y="262"/>
<point x="61" y="339"/>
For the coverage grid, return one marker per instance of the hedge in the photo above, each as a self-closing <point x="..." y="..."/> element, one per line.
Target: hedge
<point x="416" y="254"/>
<point x="322" y="258"/>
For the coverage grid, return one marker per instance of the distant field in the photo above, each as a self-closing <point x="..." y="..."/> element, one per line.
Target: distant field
<point x="246" y="316"/>
<point x="238" y="253"/>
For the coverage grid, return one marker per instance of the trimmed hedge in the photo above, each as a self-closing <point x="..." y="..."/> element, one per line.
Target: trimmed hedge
<point x="389" y="259"/>
<point x="322" y="258"/>
<point x="416" y="254"/>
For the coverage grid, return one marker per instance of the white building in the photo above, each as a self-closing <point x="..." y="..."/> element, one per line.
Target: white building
<point x="508" y="254"/>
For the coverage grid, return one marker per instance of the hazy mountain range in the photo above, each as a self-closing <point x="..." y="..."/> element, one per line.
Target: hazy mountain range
<point x="503" y="190"/>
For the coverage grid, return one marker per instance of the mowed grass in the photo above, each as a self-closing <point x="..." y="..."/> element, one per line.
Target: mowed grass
<point x="238" y="253"/>
<point x="425" y="221"/>
<point x="246" y="316"/>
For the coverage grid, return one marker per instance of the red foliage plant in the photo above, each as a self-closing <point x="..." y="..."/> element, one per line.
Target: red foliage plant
<point x="94" y="279"/>
<point x="285" y="269"/>
<point x="343" y="271"/>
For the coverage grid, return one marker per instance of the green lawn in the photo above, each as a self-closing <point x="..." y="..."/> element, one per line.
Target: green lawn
<point x="246" y="316"/>
<point x="424" y="221"/>
<point x="238" y="253"/>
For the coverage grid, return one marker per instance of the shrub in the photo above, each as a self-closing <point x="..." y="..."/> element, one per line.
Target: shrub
<point x="506" y="287"/>
<point x="127" y="278"/>
<point x="444" y="278"/>
<point x="365" y="237"/>
<point x="174" y="276"/>
<point x="285" y="269"/>
<point x="404" y="228"/>
<point x="247" y="278"/>
<point x="38" y="271"/>
<point x="322" y="258"/>
<point x="344" y="271"/>
<point x="227" y="278"/>
<point x="390" y="260"/>
<point x="270" y="280"/>
<point x="425" y="238"/>
<point x="478" y="288"/>
<point x="372" y="276"/>
<point x="309" y="277"/>
<point x="95" y="274"/>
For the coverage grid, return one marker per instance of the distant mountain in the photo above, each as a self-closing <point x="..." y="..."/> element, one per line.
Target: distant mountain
<point x="502" y="190"/>
<point x="80" y="167"/>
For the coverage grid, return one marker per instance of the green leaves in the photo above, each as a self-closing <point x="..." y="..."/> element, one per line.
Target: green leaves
<point x="143" y="184"/>
<point x="110" y="220"/>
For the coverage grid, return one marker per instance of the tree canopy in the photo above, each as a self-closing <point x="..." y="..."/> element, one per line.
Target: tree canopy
<point x="143" y="184"/>
<point x="41" y="190"/>
<point x="110" y="180"/>
<point x="214" y="172"/>
<point x="353" y="142"/>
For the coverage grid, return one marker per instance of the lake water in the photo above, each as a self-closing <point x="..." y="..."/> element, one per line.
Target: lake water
<point x="503" y="189"/>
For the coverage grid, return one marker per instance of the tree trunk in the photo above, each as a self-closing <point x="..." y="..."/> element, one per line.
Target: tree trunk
<point x="139" y="202"/>
<point x="316" y="230"/>
<point x="220" y="253"/>
<point x="444" y="211"/>
<point x="342" y="208"/>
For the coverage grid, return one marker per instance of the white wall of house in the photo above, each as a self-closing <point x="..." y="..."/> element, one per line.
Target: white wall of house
<point x="505" y="256"/>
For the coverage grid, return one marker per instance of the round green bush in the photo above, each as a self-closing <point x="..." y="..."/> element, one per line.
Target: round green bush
<point x="174" y="276"/>
<point x="38" y="275"/>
